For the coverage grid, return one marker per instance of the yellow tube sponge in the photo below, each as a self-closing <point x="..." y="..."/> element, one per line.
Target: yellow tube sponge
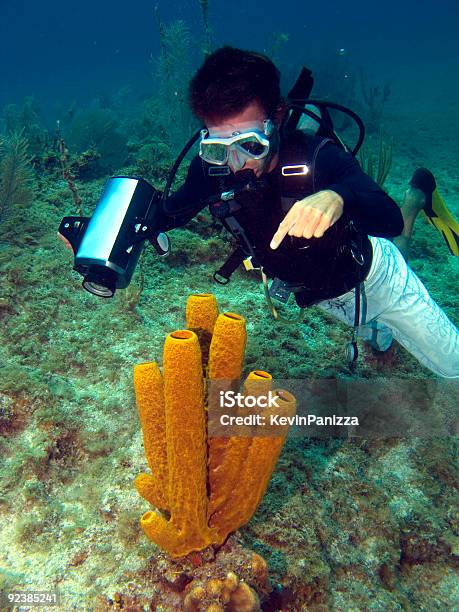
<point x="226" y="357"/>
<point x="227" y="455"/>
<point x="201" y="312"/>
<point x="227" y="347"/>
<point x="252" y="472"/>
<point x="258" y="382"/>
<point x="204" y="486"/>
<point x="148" y="384"/>
<point x="186" y="529"/>
<point x="201" y="315"/>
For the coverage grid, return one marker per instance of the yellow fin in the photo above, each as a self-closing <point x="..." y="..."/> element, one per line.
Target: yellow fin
<point x="441" y="218"/>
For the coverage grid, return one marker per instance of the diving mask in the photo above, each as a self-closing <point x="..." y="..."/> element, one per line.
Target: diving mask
<point x="250" y="144"/>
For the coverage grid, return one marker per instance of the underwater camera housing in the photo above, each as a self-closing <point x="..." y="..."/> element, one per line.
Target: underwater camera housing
<point x="107" y="245"/>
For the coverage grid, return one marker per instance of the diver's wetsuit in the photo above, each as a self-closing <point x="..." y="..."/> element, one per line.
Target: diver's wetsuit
<point x="328" y="266"/>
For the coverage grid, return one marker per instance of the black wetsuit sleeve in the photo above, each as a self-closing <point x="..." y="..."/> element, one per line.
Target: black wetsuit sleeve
<point x="368" y="205"/>
<point x="187" y="201"/>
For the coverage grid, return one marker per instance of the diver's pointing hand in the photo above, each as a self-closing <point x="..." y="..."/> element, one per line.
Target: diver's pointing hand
<point x="311" y="216"/>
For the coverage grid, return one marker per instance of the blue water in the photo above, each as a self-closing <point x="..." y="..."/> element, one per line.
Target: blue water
<point x="60" y="52"/>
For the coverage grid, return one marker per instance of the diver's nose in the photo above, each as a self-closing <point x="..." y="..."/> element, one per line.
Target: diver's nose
<point x="235" y="162"/>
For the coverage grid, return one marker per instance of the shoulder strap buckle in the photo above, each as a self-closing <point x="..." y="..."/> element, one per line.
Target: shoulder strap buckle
<point x="295" y="170"/>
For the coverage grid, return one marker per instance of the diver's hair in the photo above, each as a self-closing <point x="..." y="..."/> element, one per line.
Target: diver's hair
<point x="229" y="80"/>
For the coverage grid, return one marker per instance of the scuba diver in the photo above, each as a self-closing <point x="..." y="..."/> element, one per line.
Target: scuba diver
<point x="304" y="212"/>
<point x="294" y="197"/>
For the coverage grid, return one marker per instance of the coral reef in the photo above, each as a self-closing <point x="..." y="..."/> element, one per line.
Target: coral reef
<point x="97" y="130"/>
<point x="343" y="525"/>
<point x="335" y="515"/>
<point x="232" y="579"/>
<point x="206" y="486"/>
<point x="229" y="592"/>
<point x="152" y="159"/>
<point x="171" y="71"/>
<point x="375" y="98"/>
<point x="26" y="119"/>
<point x="377" y="165"/>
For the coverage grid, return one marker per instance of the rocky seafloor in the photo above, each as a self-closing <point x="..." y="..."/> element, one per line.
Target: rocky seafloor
<point x="346" y="524"/>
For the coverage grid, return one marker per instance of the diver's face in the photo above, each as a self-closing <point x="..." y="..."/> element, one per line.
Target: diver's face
<point x="250" y="118"/>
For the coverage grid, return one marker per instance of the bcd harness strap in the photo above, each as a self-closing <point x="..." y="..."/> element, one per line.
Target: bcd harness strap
<point x="299" y="174"/>
<point x="243" y="253"/>
<point x="223" y="274"/>
<point x="294" y="176"/>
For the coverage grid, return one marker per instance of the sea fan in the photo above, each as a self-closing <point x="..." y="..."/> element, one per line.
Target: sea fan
<point x="16" y="174"/>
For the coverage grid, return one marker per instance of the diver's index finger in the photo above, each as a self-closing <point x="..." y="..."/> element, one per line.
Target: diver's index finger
<point x="279" y="236"/>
